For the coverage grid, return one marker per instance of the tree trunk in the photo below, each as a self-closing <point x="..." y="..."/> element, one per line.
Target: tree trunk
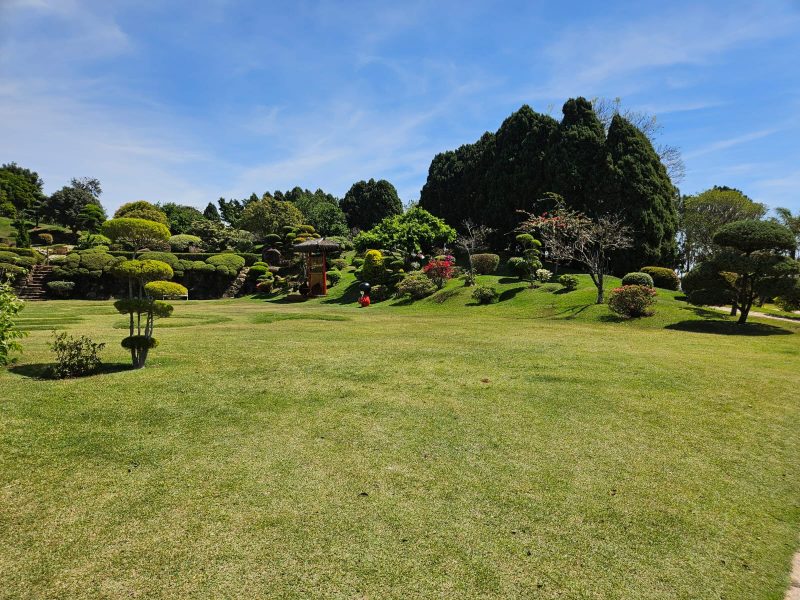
<point x="733" y="308"/>
<point x="743" y="316"/>
<point x="600" y="290"/>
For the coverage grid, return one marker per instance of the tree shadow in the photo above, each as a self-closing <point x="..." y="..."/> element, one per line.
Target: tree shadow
<point x="615" y="318"/>
<point x="43" y="370"/>
<point x="562" y="291"/>
<point x="720" y="327"/>
<point x="510" y="293"/>
<point x="509" y="280"/>
<point x="573" y="311"/>
<point x="350" y="295"/>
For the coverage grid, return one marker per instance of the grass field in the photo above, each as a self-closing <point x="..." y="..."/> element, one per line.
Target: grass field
<point x="537" y="448"/>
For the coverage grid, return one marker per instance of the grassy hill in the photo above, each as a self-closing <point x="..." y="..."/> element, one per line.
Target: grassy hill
<point x="538" y="447"/>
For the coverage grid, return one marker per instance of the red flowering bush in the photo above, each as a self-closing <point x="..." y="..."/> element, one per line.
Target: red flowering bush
<point x="633" y="301"/>
<point x="439" y="271"/>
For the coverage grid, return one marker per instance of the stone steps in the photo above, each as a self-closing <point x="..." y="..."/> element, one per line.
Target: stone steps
<point x="33" y="286"/>
<point x="237" y="283"/>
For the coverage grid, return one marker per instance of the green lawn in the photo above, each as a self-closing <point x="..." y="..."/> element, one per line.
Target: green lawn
<point x="537" y="448"/>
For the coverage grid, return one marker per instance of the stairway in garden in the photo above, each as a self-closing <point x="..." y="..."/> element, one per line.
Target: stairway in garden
<point x="32" y="287"/>
<point x="237" y="283"/>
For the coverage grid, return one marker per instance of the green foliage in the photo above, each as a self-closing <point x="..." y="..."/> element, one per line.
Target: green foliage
<point x="182" y="242"/>
<point x="46" y="239"/>
<point x="10" y="306"/>
<point x="416" y="230"/>
<point x="333" y="277"/>
<point x="75" y="357"/>
<point x="485" y="294"/>
<point x="139" y="342"/>
<point x="165" y="257"/>
<point x="69" y="207"/>
<point x="139" y="306"/>
<point x="517" y="265"/>
<point x="136" y="233"/>
<point x="638" y="278"/>
<point x="227" y="264"/>
<point x="633" y="301"/>
<point x="319" y="209"/>
<point x="22" y="236"/>
<point x="91" y="217"/>
<point x="663" y="277"/>
<point x="20" y="188"/>
<point x="211" y="213"/>
<point x="373" y="270"/>
<point x="706" y="284"/>
<point x="269" y="216"/>
<point x="417" y="285"/>
<point x="61" y="289"/>
<point x="367" y="203"/>
<point x="141" y="209"/>
<point x="91" y="240"/>
<point x="11" y="271"/>
<point x="180" y="217"/>
<point x="543" y="275"/>
<point x="568" y="282"/>
<point x="749" y="236"/>
<point x="164" y="290"/>
<point x="485" y="264"/>
<point x="143" y="271"/>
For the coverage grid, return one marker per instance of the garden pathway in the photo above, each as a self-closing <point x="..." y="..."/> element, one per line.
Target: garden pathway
<point x="754" y="313"/>
<point x="793" y="593"/>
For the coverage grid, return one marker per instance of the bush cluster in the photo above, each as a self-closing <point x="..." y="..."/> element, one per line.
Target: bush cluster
<point x="637" y="278"/>
<point x="485" y="264"/>
<point x="663" y="277"/>
<point x="568" y="282"/>
<point x="633" y="301"/>
<point x="417" y="285"/>
<point x="485" y="294"/>
<point x="543" y="275"/>
<point x="61" y="289"/>
<point x="75" y="357"/>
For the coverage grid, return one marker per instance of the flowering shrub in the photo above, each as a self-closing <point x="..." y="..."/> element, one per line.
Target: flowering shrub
<point x="543" y="275"/>
<point x="633" y="300"/>
<point x="485" y="294"/>
<point x="485" y="264"/>
<point x="439" y="271"/>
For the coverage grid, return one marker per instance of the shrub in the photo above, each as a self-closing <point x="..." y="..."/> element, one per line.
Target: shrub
<point x="788" y="303"/>
<point x="265" y="286"/>
<point x="373" y="269"/>
<point x="633" y="300"/>
<point x="637" y="278"/>
<point x="333" y="277"/>
<point x="485" y="264"/>
<point x="485" y="294"/>
<point x="417" y="285"/>
<point x="338" y="263"/>
<point x="11" y="271"/>
<point x="165" y="289"/>
<point x="139" y="342"/>
<point x="257" y="270"/>
<point x="227" y="264"/>
<point x="61" y="289"/>
<point x="10" y="306"/>
<point x="45" y="238"/>
<point x="439" y="271"/>
<point x="517" y="265"/>
<point x="90" y="240"/>
<point x="663" y="277"/>
<point x="166" y="257"/>
<point x="182" y="242"/>
<point x="379" y="293"/>
<point x="543" y="275"/>
<point x="74" y="356"/>
<point x="9" y="258"/>
<point x="568" y="282"/>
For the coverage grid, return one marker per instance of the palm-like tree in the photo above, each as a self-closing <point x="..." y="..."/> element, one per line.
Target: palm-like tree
<point x="791" y="221"/>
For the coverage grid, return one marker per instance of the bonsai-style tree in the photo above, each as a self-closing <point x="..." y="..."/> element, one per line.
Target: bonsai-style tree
<point x="472" y="240"/>
<point x="530" y="256"/>
<point x="10" y="306"/>
<point x="147" y="287"/>
<point x="751" y="263"/>
<point x="142" y="209"/>
<point x="137" y="233"/>
<point x="570" y="235"/>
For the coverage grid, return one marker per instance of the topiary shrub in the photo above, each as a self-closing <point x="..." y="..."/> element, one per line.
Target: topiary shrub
<point x="439" y="271"/>
<point x="633" y="301"/>
<point x="45" y="238"/>
<point x="163" y="290"/>
<point x="333" y="277"/>
<point x="11" y="271"/>
<point x="568" y="282"/>
<point x="485" y="294"/>
<point x="637" y="278"/>
<point x="75" y="357"/>
<point x="663" y="277"/>
<point x="417" y="285"/>
<point x="379" y="293"/>
<point x="485" y="264"/>
<point x="227" y="264"/>
<point x="357" y="261"/>
<point x="183" y="242"/>
<point x="517" y="265"/>
<point x="543" y="275"/>
<point x="60" y="289"/>
<point x="338" y="263"/>
<point x="373" y="269"/>
<point x="10" y="258"/>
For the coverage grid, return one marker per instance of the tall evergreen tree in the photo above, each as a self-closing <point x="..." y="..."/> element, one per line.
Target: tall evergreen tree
<point x="367" y="203"/>
<point x="211" y="213"/>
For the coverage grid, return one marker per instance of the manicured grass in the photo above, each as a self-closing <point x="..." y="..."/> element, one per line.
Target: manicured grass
<point x="538" y="447"/>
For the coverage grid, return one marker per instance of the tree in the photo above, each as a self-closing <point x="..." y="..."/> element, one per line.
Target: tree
<point x="10" y="306"/>
<point x="142" y="209"/>
<point x="180" y="217"/>
<point x="791" y="221"/>
<point x="211" y="213"/>
<point x="367" y="203"/>
<point x="91" y="218"/>
<point x="136" y="233"/>
<point x="269" y="216"/>
<point x="751" y="262"/>
<point x="66" y="206"/>
<point x="22" y="237"/>
<point x="231" y="210"/>
<point x="472" y="240"/>
<point x="530" y="257"/>
<point x="145" y="299"/>
<point x="319" y="209"/>
<point x="702" y="215"/>
<point x="21" y="188"/>
<point x="414" y="231"/>
<point x="218" y="238"/>
<point x="570" y="235"/>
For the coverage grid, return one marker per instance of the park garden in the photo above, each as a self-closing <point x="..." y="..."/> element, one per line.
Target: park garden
<point x="562" y="381"/>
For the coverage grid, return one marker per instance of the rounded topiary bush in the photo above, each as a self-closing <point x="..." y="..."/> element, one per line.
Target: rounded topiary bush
<point x="417" y="285"/>
<point x="568" y="282"/>
<point x="485" y="294"/>
<point x="165" y="289"/>
<point x="227" y="264"/>
<point x="637" y="278"/>
<point x="663" y="277"/>
<point x="333" y="277"/>
<point x="633" y="300"/>
<point x="60" y="289"/>
<point x="182" y="242"/>
<point x="139" y="342"/>
<point x="485" y="264"/>
<point x="338" y="263"/>
<point x="517" y="265"/>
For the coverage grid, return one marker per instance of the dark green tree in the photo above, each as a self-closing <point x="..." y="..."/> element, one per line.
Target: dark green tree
<point x="180" y="217"/>
<point x="367" y="203"/>
<point x="231" y="210"/>
<point x="269" y="216"/>
<point x="91" y="218"/>
<point x="416" y="230"/>
<point x="20" y="187"/>
<point x="66" y="206"/>
<point x="321" y="210"/>
<point x="211" y="213"/>
<point x="142" y="209"/>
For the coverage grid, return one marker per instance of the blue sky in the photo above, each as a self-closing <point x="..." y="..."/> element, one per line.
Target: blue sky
<point x="190" y="101"/>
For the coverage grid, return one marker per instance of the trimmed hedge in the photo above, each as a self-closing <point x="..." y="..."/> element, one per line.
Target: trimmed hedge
<point x="663" y="277"/>
<point x="485" y="264"/>
<point x="637" y="278"/>
<point x="249" y="257"/>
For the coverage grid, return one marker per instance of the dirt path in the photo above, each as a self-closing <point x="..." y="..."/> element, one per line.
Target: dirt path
<point x="754" y="313"/>
<point x="793" y="593"/>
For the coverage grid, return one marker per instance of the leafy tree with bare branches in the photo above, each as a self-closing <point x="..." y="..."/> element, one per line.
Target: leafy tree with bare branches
<point x="472" y="240"/>
<point x="571" y="236"/>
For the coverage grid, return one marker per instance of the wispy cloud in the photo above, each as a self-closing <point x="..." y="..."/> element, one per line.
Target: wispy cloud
<point x="730" y="142"/>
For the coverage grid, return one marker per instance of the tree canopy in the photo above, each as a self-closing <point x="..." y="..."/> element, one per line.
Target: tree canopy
<point x="368" y="202"/>
<point x="20" y="189"/>
<point x="269" y="216"/>
<point x="137" y="233"/>
<point x="142" y="209"/>
<point x="180" y="217"/>
<point x="69" y="206"/>
<point x="319" y="209"/>
<point x="416" y="230"/>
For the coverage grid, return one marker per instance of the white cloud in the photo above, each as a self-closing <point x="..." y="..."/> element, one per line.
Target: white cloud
<point x="730" y="142"/>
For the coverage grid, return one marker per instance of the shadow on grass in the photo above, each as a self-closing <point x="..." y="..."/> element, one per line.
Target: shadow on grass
<point x="719" y="327"/>
<point x="615" y="318"/>
<point x="510" y="293"/>
<point x="573" y="311"/>
<point x="42" y="370"/>
<point x="509" y="280"/>
<point x="350" y="295"/>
